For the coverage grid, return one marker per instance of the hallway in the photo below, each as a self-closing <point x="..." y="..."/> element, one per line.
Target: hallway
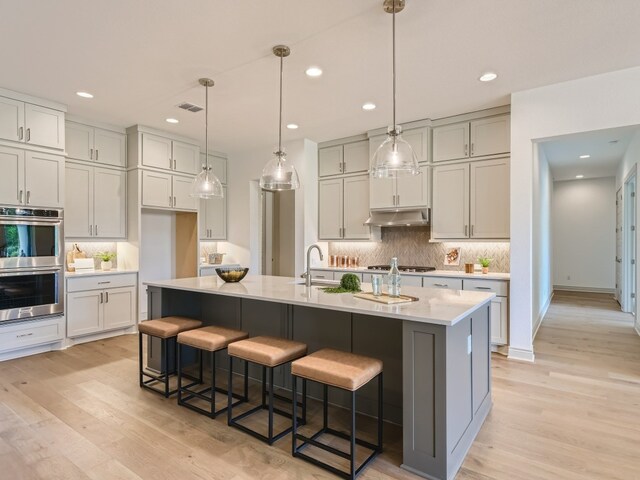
<point x="574" y="413"/>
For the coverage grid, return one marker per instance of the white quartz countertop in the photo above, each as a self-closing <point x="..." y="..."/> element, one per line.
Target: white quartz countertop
<point x="436" y="306"/>
<point x="434" y="273"/>
<point x="96" y="273"/>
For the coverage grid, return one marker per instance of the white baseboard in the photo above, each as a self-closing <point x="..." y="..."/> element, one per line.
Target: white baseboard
<point x="70" y="342"/>
<point x="25" y="352"/>
<point x="637" y="329"/>
<point x="571" y="288"/>
<point x="521" y="355"/>
<point x="542" y="314"/>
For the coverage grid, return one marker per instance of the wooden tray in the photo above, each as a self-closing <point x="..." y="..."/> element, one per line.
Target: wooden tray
<point x="385" y="298"/>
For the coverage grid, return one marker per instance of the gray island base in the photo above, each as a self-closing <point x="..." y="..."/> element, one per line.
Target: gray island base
<point x="436" y="351"/>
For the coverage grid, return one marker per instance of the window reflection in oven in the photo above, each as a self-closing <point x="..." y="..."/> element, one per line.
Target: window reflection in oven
<point x="18" y="240"/>
<point x="23" y="291"/>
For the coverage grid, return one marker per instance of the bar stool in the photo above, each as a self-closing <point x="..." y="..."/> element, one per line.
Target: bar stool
<point x="269" y="353"/>
<point x="345" y="371"/>
<point x="210" y="339"/>
<point x="166" y="328"/>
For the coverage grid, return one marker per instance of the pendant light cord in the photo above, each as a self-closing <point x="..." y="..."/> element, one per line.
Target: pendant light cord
<point x="206" y="129"/>
<point x="280" y="114"/>
<point x="393" y="43"/>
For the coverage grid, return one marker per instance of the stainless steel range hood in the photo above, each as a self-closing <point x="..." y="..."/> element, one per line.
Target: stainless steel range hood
<point x="400" y="218"/>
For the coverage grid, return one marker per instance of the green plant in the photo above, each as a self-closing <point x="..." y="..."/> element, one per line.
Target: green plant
<point x="484" y="261"/>
<point x="349" y="283"/>
<point x="105" y="256"/>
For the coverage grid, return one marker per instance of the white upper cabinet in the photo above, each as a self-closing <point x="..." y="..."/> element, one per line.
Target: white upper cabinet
<point x="330" y="160"/>
<point x="475" y="138"/>
<point x="450" y="201"/>
<point x="490" y="199"/>
<point x="413" y="190"/>
<point x="330" y="208"/>
<point x="382" y="193"/>
<point x="110" y="147"/>
<point x="78" y="212"/>
<point x="218" y="166"/>
<point x="186" y="157"/>
<point x="156" y="151"/>
<point x="11" y="119"/>
<point x="31" y="124"/>
<point x="79" y="141"/>
<point x="356" y="207"/>
<point x="110" y="203"/>
<point x="12" y="177"/>
<point x="213" y="218"/>
<point x="182" y="199"/>
<point x="156" y="190"/>
<point x="355" y="157"/>
<point x="44" y="179"/>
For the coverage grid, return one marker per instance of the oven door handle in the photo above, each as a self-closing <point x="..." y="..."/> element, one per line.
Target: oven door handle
<point x="4" y="220"/>
<point x="5" y="272"/>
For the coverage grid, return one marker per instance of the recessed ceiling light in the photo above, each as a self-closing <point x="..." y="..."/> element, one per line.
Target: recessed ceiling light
<point x="579" y="176"/>
<point x="292" y="126"/>
<point x="585" y="156"/>
<point x="172" y="120"/>
<point x="488" y="76"/>
<point x="84" y="94"/>
<point x="314" y="71"/>
<point x="369" y="106"/>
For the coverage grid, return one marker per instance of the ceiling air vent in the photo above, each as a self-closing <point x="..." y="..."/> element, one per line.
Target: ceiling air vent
<point x="190" y="107"/>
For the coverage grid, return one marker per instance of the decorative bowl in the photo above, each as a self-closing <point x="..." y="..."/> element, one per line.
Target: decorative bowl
<point x="232" y="274"/>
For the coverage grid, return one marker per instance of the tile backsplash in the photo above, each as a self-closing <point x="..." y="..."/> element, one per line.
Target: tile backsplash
<point x="91" y="249"/>
<point x="412" y="247"/>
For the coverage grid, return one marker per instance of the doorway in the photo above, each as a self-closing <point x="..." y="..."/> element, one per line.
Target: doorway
<point x="629" y="257"/>
<point x="278" y="233"/>
<point x="619" y="243"/>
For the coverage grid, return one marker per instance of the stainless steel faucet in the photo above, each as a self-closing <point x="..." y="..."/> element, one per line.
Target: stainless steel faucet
<point x="307" y="274"/>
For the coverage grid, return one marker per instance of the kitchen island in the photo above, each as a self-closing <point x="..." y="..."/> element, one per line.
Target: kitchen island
<point x="436" y="351"/>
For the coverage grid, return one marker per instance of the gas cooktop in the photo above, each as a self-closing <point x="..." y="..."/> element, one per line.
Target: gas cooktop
<point x="402" y="268"/>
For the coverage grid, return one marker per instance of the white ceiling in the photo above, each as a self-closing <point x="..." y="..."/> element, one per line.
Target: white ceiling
<point x="605" y="147"/>
<point x="142" y="57"/>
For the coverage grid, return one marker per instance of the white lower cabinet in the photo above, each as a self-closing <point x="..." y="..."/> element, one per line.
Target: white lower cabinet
<point x="499" y="316"/>
<point x="442" y="282"/>
<point x="100" y="303"/>
<point x="31" y="333"/>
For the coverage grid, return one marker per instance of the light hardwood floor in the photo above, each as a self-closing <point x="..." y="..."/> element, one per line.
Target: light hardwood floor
<point x="574" y="414"/>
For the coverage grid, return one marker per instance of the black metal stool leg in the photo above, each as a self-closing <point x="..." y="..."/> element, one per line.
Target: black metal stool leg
<point x="213" y="384"/>
<point x="294" y="419"/>
<point x="304" y="401"/>
<point x="271" y="405"/>
<point x="179" y="368"/>
<point x="230" y="392"/>
<point x="353" y="436"/>
<point x="380" y="406"/>
<point x="140" y="360"/>
<point x="264" y="386"/>
<point x="325" y="406"/>
<point x="246" y="381"/>
<point x="165" y="361"/>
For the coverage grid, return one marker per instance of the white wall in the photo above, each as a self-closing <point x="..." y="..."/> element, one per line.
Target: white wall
<point x="542" y="233"/>
<point x="603" y="101"/>
<point x="584" y="237"/>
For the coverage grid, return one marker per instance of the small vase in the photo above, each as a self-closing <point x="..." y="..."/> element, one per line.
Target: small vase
<point x="485" y="270"/>
<point x="106" y="266"/>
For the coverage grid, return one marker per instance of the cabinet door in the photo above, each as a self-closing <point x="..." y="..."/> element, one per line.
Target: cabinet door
<point x="182" y="199"/>
<point x="156" y="151"/>
<point x="44" y="182"/>
<point x="411" y="189"/>
<point x="356" y="157"/>
<point x="12" y="177"/>
<point x="79" y="141"/>
<point x="156" y="190"/>
<point x="11" y="119"/>
<point x="451" y="201"/>
<point x="84" y="313"/>
<point x="110" y="148"/>
<point x="419" y="140"/>
<point x="119" y="307"/>
<point x="441" y="282"/>
<point x="499" y="321"/>
<point x="356" y="207"/>
<point x="78" y="211"/>
<point x="110" y="203"/>
<point x="382" y="193"/>
<point x="186" y="158"/>
<point x="491" y="136"/>
<point x="217" y="217"/>
<point x="451" y="142"/>
<point x="203" y="230"/>
<point x="219" y="167"/>
<point x="44" y="126"/>
<point x="330" y="161"/>
<point x="490" y="199"/>
<point x="410" y="280"/>
<point x="330" y="202"/>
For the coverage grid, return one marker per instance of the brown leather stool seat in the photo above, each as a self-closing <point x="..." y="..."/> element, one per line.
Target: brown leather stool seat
<point x="268" y="352"/>
<point x="346" y="371"/>
<point x="166" y="329"/>
<point x="210" y="339"/>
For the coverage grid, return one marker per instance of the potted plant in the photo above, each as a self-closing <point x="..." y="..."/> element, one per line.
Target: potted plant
<point x="485" y="262"/>
<point x="106" y="258"/>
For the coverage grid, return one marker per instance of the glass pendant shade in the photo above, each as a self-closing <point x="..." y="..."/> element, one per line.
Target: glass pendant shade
<point x="394" y="157"/>
<point x="279" y="174"/>
<point x="206" y="185"/>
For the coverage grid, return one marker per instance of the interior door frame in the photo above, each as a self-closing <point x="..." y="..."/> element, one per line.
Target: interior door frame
<point x="620" y="282"/>
<point x="630" y="214"/>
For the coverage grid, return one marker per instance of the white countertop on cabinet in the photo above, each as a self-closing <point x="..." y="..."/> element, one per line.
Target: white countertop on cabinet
<point x="433" y="273"/>
<point x="97" y="273"/>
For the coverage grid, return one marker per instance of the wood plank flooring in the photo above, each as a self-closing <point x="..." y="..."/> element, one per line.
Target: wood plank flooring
<point x="574" y="414"/>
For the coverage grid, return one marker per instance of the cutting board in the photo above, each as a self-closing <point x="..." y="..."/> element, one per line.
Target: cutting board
<point x="385" y="298"/>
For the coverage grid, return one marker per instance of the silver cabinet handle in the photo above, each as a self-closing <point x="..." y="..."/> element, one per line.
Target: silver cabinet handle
<point x="465" y="230"/>
<point x="340" y="167"/>
<point x="91" y="153"/>
<point x="344" y="167"/>
<point x="471" y="231"/>
<point x="394" y="200"/>
<point x="483" y="288"/>
<point x="28" y="196"/>
<point x="96" y="154"/>
<point x="96" y="229"/>
<point x="90" y="230"/>
<point x="466" y="149"/>
<point x="24" y="335"/>
<point x="441" y="285"/>
<point x="472" y="149"/>
<point x="20" y="196"/>
<point x="28" y="134"/>
<point x="170" y="200"/>
<point x="20" y="133"/>
<point x="106" y="294"/>
<point x="103" y="283"/>
<point x="174" y="201"/>
<point x="397" y="199"/>
<point x="101" y="297"/>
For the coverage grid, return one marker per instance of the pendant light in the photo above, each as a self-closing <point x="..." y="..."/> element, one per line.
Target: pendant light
<point x="206" y="185"/>
<point x="279" y="174"/>
<point x="395" y="156"/>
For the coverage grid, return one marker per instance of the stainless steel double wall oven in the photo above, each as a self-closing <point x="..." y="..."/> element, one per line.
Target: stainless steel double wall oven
<point x="31" y="263"/>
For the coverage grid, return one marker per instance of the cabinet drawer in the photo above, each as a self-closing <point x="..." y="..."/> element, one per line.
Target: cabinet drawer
<point x="442" y="282"/>
<point x="410" y="280"/>
<point x="101" y="282"/>
<point x="499" y="288"/>
<point x="324" y="275"/>
<point x="35" y="332"/>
